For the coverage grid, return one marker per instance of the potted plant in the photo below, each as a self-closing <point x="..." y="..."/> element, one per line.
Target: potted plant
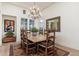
<point x="9" y="37"/>
<point x="34" y="31"/>
<point x="9" y="34"/>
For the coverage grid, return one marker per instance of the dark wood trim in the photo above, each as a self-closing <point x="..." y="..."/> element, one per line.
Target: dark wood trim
<point x="58" y="17"/>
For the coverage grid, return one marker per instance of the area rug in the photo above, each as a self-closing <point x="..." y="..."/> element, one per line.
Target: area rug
<point x="18" y="51"/>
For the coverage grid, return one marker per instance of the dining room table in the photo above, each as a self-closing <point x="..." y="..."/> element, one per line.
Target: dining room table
<point x="37" y="38"/>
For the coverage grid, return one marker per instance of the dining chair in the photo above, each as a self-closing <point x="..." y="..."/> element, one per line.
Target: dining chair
<point x="47" y="47"/>
<point x="22" y="34"/>
<point x="28" y="46"/>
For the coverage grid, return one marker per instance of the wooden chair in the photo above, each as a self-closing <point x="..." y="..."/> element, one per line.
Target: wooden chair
<point x="27" y="45"/>
<point x="22" y="34"/>
<point x="47" y="47"/>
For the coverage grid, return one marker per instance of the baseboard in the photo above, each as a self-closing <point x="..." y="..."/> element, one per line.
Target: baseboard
<point x="66" y="47"/>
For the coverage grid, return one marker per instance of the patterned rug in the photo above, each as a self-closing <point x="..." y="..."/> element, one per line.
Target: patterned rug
<point x="18" y="51"/>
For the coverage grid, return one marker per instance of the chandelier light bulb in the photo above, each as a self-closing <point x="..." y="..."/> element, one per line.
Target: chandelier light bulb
<point x="35" y="12"/>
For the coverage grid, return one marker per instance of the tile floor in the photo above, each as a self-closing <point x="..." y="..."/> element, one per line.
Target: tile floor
<point x="4" y="49"/>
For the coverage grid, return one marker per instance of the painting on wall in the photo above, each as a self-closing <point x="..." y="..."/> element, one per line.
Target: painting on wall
<point x="53" y="24"/>
<point x="8" y="25"/>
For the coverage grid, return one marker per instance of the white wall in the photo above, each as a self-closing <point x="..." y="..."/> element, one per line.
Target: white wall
<point x="0" y="26"/>
<point x="69" y="12"/>
<point x="9" y="9"/>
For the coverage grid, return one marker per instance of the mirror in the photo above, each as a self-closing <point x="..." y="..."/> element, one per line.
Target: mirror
<point x="53" y="24"/>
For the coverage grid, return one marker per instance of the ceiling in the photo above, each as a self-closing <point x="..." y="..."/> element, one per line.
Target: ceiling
<point x="41" y="5"/>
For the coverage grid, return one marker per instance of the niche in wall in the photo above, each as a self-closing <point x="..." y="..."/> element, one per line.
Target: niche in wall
<point x="8" y="24"/>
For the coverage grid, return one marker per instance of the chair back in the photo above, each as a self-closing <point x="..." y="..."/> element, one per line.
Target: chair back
<point x="50" y="35"/>
<point x="24" y="35"/>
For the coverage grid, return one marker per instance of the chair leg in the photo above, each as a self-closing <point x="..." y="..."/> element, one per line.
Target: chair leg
<point x="33" y="52"/>
<point x="45" y="51"/>
<point x="26" y="51"/>
<point x="37" y="49"/>
<point x="55" y="52"/>
<point x="21" y="45"/>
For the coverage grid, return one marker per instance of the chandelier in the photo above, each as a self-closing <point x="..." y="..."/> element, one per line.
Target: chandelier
<point x="35" y="12"/>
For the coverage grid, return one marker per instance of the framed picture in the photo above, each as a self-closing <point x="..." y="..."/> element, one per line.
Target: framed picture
<point x="8" y="25"/>
<point x="53" y="24"/>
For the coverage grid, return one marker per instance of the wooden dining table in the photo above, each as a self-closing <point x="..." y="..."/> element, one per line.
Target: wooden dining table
<point x="37" y="38"/>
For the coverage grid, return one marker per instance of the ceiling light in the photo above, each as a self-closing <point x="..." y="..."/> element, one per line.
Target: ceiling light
<point x="35" y="12"/>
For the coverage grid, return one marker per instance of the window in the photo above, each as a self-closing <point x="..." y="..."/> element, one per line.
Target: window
<point x="41" y="27"/>
<point x="31" y="24"/>
<point x="23" y="23"/>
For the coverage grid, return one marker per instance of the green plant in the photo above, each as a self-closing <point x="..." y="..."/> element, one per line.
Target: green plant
<point x="34" y="29"/>
<point x="9" y="33"/>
